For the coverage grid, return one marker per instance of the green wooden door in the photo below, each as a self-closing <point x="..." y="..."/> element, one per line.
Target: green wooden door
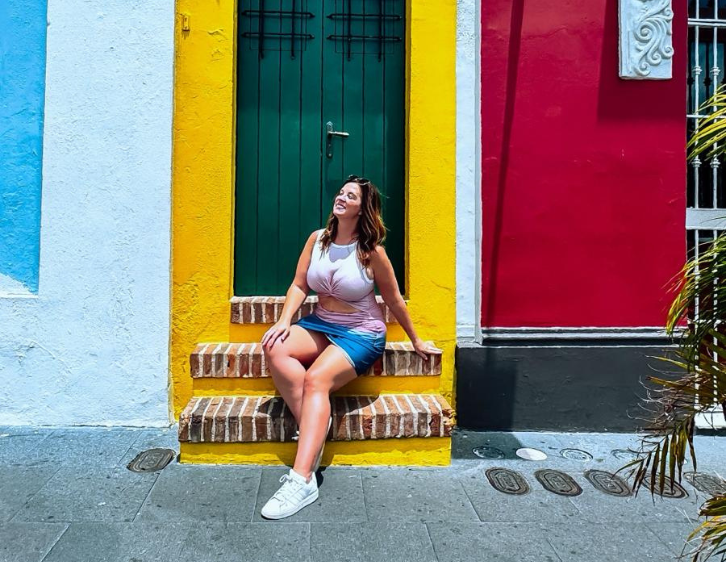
<point x="301" y="65"/>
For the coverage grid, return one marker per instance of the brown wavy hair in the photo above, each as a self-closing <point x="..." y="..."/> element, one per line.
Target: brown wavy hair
<point x="371" y="230"/>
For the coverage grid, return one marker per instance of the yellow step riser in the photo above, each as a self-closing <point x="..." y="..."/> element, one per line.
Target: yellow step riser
<point x="359" y="386"/>
<point x="254" y="333"/>
<point x="416" y="451"/>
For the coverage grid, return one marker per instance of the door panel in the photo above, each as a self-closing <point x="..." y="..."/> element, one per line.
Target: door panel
<point x="298" y="68"/>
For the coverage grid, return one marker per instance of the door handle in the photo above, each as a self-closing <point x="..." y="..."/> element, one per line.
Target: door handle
<point x="331" y="132"/>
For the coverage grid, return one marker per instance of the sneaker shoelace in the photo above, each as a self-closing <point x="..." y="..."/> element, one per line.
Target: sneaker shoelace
<point x="289" y="487"/>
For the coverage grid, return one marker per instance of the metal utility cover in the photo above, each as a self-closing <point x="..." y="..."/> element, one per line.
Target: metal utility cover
<point x="485" y="452"/>
<point x="558" y="482"/>
<point x="706" y="483"/>
<point x="671" y="489"/>
<point x="152" y="460"/>
<point x="507" y="481"/>
<point x="608" y="483"/>
<point x="576" y="455"/>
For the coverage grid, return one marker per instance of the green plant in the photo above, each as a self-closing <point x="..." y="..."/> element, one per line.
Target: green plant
<point x="700" y="356"/>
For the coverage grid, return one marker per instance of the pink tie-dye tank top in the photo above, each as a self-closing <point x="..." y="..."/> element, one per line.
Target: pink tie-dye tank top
<point x="337" y="272"/>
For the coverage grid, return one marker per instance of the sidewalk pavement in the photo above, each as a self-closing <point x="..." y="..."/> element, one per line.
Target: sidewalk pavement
<point x="66" y="495"/>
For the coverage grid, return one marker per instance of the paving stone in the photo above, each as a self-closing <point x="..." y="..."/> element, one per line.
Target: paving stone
<point x="17" y="443"/>
<point x="494" y="506"/>
<point x="596" y="506"/>
<point x="341" y="495"/>
<point x="614" y="542"/>
<point x="710" y="454"/>
<point x="87" y="446"/>
<point x="89" y="494"/>
<point x="502" y="447"/>
<point x="120" y="542"/>
<point x="203" y="493"/>
<point x="464" y="541"/>
<point x="674" y="536"/>
<point x="243" y="542"/>
<point x="380" y="541"/>
<point x="28" y="542"/>
<point x="17" y="430"/>
<point x="415" y="495"/>
<point x="464" y="441"/>
<point x="18" y="484"/>
<point x="599" y="445"/>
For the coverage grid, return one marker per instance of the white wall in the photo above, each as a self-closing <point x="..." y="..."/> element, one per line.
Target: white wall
<point x="92" y="347"/>
<point x="468" y="175"/>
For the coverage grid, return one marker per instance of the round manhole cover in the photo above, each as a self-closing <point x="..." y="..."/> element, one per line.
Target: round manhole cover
<point x="712" y="485"/>
<point x="530" y="454"/>
<point x="610" y="484"/>
<point x="151" y="460"/>
<point x="624" y="454"/>
<point x="576" y="455"/>
<point x="671" y="489"/>
<point x="488" y="452"/>
<point x="507" y="481"/>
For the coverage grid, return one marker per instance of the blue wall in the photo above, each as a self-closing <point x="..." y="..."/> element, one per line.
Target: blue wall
<point x="22" y="93"/>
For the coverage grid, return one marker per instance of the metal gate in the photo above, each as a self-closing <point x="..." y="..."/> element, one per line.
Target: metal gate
<point x="706" y="182"/>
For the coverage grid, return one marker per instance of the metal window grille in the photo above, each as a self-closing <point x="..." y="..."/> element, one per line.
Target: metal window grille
<point x="706" y="186"/>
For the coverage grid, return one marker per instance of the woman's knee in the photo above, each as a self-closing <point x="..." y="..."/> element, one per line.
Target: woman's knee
<point x="316" y="381"/>
<point x="280" y="349"/>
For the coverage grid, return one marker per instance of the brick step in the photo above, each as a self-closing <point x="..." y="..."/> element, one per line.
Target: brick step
<point x="250" y="419"/>
<point x="247" y="360"/>
<point x="266" y="310"/>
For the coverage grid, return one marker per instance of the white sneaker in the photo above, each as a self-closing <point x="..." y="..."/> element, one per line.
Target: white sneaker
<point x="294" y="494"/>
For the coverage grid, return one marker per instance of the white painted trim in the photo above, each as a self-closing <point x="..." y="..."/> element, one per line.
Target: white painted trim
<point x="465" y="331"/>
<point x="468" y="194"/>
<point x="705" y="219"/>
<point x="588" y="333"/>
<point x="713" y="419"/>
<point x="478" y="181"/>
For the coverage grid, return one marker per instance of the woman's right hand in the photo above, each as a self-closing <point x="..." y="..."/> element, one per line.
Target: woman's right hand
<point x="280" y="330"/>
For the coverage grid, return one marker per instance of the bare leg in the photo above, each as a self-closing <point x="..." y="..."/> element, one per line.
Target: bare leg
<point x="287" y="362"/>
<point x="330" y="371"/>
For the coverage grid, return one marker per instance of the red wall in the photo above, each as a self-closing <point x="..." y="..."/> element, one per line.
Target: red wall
<point x="583" y="173"/>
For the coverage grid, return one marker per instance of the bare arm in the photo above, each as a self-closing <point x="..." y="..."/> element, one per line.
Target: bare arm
<point x="295" y="296"/>
<point x="385" y="279"/>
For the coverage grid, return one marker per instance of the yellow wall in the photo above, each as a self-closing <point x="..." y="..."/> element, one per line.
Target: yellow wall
<point x="203" y="191"/>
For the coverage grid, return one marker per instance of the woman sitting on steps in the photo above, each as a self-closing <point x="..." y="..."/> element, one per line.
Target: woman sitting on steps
<point x="342" y="263"/>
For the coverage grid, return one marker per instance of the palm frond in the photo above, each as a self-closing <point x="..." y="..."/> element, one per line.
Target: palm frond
<point x="697" y="319"/>
<point x="711" y="127"/>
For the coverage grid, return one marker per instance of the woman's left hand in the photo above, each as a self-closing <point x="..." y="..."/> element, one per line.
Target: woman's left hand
<point x="424" y="349"/>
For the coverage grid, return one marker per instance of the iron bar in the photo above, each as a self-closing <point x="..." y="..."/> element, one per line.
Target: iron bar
<point x="293" y="13"/>
<point x="389" y="38"/>
<point x="294" y="19"/>
<point x="349" y="22"/>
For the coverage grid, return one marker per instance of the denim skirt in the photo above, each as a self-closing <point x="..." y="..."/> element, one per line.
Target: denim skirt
<point x="361" y="348"/>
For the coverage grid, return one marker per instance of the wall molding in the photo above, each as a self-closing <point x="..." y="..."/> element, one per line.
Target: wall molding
<point x="587" y="333"/>
<point x="646" y="39"/>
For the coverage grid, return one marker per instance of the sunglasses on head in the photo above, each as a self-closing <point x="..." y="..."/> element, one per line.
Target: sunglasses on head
<point x="358" y="180"/>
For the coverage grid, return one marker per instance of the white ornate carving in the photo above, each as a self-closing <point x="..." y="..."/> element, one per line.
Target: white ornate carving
<point x="646" y="39"/>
